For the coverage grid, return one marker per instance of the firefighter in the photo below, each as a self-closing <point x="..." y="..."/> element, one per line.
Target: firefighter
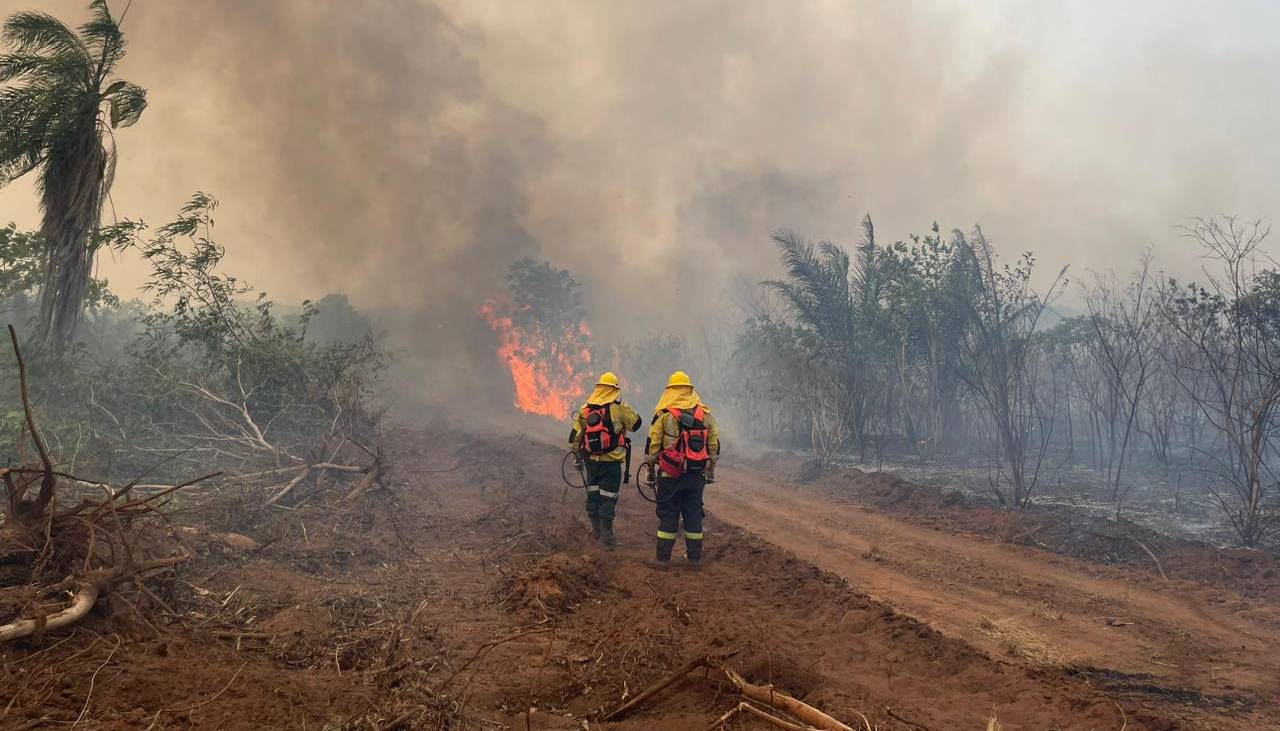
<point x="598" y="440"/>
<point x="683" y="446"/>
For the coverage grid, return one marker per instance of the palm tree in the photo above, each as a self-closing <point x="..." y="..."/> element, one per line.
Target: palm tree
<point x="58" y="104"/>
<point x="835" y="299"/>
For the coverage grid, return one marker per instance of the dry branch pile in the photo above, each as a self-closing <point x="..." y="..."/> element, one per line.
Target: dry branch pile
<point x="77" y="538"/>
<point x="94" y="544"/>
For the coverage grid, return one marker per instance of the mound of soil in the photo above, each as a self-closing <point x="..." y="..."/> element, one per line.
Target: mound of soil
<point x="556" y="584"/>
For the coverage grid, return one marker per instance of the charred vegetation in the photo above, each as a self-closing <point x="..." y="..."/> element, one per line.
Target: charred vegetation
<point x="933" y="352"/>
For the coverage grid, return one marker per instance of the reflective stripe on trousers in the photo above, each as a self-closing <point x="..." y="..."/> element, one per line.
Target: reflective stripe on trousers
<point x="679" y="505"/>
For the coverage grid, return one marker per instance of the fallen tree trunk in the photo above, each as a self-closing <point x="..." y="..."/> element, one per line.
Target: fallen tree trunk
<point x="769" y="695"/>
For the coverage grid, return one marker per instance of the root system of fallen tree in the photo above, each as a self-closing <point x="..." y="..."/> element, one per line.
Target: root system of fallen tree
<point x="94" y="544"/>
<point x="56" y="560"/>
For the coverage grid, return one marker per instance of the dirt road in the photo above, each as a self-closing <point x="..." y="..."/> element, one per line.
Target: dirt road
<point x="1127" y="630"/>
<point x="469" y="595"/>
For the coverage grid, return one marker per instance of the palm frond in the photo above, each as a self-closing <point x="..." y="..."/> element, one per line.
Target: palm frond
<point x="817" y="288"/>
<point x="103" y="37"/>
<point x="24" y="118"/>
<point x="36" y="32"/>
<point x="25" y="65"/>
<point x="126" y="102"/>
<point x="866" y="270"/>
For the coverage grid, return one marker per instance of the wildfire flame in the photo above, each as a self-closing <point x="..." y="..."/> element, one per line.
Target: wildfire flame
<point x="549" y="370"/>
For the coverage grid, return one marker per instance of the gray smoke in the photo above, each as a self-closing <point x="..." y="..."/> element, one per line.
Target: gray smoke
<point x="406" y="152"/>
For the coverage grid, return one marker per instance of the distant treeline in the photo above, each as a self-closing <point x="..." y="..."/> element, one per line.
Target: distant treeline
<point x="936" y="345"/>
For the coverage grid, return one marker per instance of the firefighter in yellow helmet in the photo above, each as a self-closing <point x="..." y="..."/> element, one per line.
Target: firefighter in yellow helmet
<point x="683" y="446"/>
<point x="598" y="439"/>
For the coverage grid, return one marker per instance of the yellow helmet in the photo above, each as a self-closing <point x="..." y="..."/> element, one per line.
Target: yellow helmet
<point x="608" y="379"/>
<point x="679" y="378"/>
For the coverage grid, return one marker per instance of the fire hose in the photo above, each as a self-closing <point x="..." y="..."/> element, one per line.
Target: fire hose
<point x="576" y="459"/>
<point x="645" y="477"/>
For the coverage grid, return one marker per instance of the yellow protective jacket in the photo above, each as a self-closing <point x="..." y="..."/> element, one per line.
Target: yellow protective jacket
<point x="665" y="431"/>
<point x="624" y="419"/>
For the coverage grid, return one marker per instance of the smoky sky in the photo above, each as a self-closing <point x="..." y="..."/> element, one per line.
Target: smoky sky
<point x="406" y="152"/>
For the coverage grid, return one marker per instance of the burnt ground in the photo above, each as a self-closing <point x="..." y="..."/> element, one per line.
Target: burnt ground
<point x="469" y="596"/>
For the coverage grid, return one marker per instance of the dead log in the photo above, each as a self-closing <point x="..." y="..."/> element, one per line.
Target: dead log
<point x="87" y="590"/>
<point x="771" y="696"/>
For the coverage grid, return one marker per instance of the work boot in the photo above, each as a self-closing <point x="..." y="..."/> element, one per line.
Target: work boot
<point x="595" y="526"/>
<point x="658" y="563"/>
<point x="663" y="553"/>
<point x="606" y="533"/>
<point x="695" y="562"/>
<point x="693" y="552"/>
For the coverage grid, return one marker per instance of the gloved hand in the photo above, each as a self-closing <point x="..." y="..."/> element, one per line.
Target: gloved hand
<point x="577" y="458"/>
<point x="649" y="470"/>
<point x="710" y="473"/>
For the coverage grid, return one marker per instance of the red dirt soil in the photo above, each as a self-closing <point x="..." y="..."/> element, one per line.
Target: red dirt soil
<point x="469" y="594"/>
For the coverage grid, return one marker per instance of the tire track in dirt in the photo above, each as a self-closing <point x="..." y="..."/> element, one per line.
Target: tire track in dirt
<point x="1180" y="636"/>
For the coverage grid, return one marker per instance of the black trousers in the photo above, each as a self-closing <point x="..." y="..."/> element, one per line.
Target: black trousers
<point x="680" y="499"/>
<point x="604" y="480"/>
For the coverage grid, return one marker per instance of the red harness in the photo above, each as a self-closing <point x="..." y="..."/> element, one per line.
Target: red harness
<point x="598" y="436"/>
<point x="691" y="452"/>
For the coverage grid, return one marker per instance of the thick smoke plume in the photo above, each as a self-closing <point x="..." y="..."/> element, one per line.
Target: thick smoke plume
<point x="406" y="152"/>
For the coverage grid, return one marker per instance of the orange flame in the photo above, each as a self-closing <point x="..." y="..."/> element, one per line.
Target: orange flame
<point x="549" y="372"/>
